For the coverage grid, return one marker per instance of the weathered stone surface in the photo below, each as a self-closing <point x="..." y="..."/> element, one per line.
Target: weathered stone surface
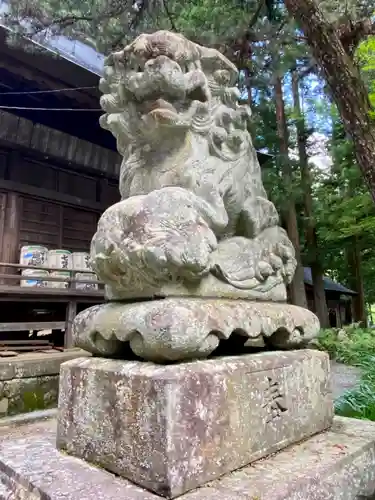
<point x="335" y="465"/>
<point x="178" y="329"/>
<point x="173" y="428"/>
<point x="194" y="217"/>
<point x="30" y="382"/>
<point x="28" y="418"/>
<point x="28" y="394"/>
<point x="36" y="364"/>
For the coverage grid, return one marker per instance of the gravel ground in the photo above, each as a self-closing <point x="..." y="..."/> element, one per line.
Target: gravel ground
<point x="343" y="378"/>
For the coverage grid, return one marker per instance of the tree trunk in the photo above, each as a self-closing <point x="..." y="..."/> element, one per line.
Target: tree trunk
<point x="344" y="80"/>
<point x="320" y="302"/>
<point x="370" y="314"/>
<point x="356" y="282"/>
<point x="297" y="287"/>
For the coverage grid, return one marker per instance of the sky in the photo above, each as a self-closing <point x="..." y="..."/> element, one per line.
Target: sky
<point x="314" y="103"/>
<point x="318" y="151"/>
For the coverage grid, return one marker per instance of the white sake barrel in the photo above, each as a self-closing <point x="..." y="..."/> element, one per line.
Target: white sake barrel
<point x="59" y="284"/>
<point x="81" y="261"/>
<point x="33" y="255"/>
<point x="34" y="278"/>
<point x="61" y="259"/>
<point x="87" y="277"/>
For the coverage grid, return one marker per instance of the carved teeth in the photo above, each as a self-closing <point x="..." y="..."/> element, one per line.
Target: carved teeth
<point x="161" y="103"/>
<point x="163" y="115"/>
<point x="152" y="106"/>
<point x="137" y="64"/>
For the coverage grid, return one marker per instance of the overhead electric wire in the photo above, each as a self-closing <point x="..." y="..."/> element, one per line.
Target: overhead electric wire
<point x="68" y="89"/>
<point x="24" y="108"/>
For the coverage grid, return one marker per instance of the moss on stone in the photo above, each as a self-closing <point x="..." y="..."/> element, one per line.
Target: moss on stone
<point x="33" y="400"/>
<point x="31" y="394"/>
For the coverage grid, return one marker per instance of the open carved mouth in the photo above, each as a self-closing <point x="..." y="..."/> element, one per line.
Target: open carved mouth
<point x="153" y="105"/>
<point x="159" y="110"/>
<point x="160" y="85"/>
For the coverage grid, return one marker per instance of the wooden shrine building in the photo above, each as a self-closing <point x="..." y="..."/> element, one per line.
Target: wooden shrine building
<point x="58" y="173"/>
<point x="339" y="300"/>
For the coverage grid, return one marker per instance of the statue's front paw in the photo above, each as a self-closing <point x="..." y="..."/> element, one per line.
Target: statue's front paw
<point x="151" y="240"/>
<point x="285" y="252"/>
<point x="180" y="254"/>
<point x="262" y="270"/>
<point x="278" y="251"/>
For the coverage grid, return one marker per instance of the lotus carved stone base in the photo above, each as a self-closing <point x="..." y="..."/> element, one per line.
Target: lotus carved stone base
<point x="175" y="329"/>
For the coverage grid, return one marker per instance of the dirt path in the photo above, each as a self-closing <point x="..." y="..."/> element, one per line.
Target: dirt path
<point x="343" y="378"/>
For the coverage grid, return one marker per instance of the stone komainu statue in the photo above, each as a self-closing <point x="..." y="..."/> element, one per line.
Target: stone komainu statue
<point x="194" y="233"/>
<point x="194" y="217"/>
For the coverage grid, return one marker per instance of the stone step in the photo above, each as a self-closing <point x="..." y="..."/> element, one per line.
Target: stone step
<point x="11" y="489"/>
<point x="338" y="464"/>
<point x="6" y="487"/>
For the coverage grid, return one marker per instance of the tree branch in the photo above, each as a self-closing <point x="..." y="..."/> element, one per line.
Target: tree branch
<point x="254" y="19"/>
<point x="169" y="15"/>
<point x="138" y="16"/>
<point x="352" y="33"/>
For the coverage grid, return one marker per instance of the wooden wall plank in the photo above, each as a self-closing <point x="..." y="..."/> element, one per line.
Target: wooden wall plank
<point x="55" y="226"/>
<point x="51" y="195"/>
<point x="10" y="240"/>
<point x="3" y="199"/>
<point x="23" y="132"/>
<point x="25" y="174"/>
<point x="109" y="193"/>
<point x="78" y="229"/>
<point x="39" y="223"/>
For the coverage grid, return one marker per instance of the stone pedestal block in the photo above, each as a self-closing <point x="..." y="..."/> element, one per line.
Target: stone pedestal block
<point x="173" y="428"/>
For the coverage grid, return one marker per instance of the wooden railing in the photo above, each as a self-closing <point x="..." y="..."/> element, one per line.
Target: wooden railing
<point x="72" y="281"/>
<point x="71" y="295"/>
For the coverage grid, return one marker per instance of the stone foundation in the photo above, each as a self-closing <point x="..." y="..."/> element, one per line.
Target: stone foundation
<point x="30" y="382"/>
<point x="172" y="428"/>
<point x="338" y="464"/>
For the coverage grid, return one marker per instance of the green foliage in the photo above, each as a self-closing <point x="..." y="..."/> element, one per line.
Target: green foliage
<point x="366" y="58"/>
<point x="354" y="346"/>
<point x="344" y="206"/>
<point x="213" y="20"/>
<point x="345" y="215"/>
<point x="366" y="54"/>
<point x="360" y="402"/>
<point x="351" y="345"/>
<point x="107" y="23"/>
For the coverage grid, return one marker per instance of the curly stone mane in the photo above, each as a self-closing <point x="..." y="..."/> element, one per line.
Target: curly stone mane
<point x="206" y="88"/>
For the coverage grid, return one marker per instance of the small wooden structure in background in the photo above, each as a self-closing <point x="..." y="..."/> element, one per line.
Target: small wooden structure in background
<point x="70" y="296"/>
<point x="338" y="297"/>
<point x="58" y="173"/>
